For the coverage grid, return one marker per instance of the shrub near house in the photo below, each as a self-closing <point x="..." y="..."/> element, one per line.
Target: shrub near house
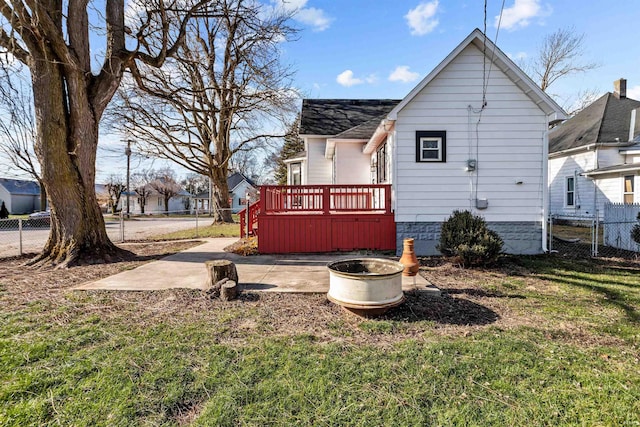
<point x="466" y="237"/>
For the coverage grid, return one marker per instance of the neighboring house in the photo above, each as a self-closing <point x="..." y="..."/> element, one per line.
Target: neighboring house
<point x="594" y="157"/>
<point x="471" y="135"/>
<point x="239" y="185"/>
<point x="154" y="203"/>
<point x="19" y="196"/>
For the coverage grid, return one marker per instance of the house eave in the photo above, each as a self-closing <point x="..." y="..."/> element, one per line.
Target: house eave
<point x="310" y="135"/>
<point x="506" y="65"/>
<point x="623" y="168"/>
<point x="589" y="147"/>
<point x="570" y="151"/>
<point x="330" y="147"/>
<point x="379" y="135"/>
<point x="238" y="185"/>
<point x="294" y="159"/>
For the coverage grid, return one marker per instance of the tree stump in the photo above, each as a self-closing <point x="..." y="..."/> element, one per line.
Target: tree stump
<point x="219" y="271"/>
<point x="228" y="290"/>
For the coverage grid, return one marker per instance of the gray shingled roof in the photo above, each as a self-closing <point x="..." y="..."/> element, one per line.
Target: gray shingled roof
<point x="335" y="116"/>
<point x="236" y="178"/>
<point x="18" y="186"/>
<point x="232" y="181"/>
<point x="607" y="119"/>
<point x="363" y="131"/>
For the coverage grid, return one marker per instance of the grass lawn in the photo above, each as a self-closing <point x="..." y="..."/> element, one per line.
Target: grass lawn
<point x="215" y="230"/>
<point x="534" y="341"/>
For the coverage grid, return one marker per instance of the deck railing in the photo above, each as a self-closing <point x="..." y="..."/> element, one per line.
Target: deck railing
<point x="250" y="227"/>
<point x="325" y="198"/>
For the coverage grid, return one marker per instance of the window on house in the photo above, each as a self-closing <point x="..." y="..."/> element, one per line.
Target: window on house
<point x="627" y="194"/>
<point x="381" y="164"/>
<point x="296" y="173"/>
<point x="571" y="191"/>
<point x="431" y="146"/>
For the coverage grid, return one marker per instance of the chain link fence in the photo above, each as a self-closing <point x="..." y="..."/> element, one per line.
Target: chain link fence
<point x="604" y="236"/>
<point x="20" y="236"/>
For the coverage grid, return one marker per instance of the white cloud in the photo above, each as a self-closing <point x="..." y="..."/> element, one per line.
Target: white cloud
<point x="312" y="16"/>
<point x="422" y="19"/>
<point x="519" y="56"/>
<point x="634" y="93"/>
<point x="346" y="78"/>
<point x="520" y="14"/>
<point x="291" y="5"/>
<point x="371" y="78"/>
<point x="402" y="74"/>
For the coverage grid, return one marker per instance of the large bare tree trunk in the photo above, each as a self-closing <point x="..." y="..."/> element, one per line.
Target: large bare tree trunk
<point x="66" y="149"/>
<point x="222" y="209"/>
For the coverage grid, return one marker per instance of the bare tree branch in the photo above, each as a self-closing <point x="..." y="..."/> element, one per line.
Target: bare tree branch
<point x="559" y="56"/>
<point x="53" y="37"/>
<point x="225" y="92"/>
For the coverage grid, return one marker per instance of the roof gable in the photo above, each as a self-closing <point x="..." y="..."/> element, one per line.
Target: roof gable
<point x="334" y="116"/>
<point x="606" y="120"/>
<point x="236" y="178"/>
<point x="502" y="62"/>
<point x="18" y="186"/>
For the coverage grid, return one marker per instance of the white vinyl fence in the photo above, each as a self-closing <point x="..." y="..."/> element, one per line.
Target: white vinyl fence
<point x="619" y="220"/>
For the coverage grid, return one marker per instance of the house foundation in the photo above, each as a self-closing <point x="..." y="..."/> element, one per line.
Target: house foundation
<point x="520" y="238"/>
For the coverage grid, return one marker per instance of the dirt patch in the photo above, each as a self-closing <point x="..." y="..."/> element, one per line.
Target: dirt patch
<point x="503" y="297"/>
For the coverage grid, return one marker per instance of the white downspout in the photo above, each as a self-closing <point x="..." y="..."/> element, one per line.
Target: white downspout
<point x="545" y="186"/>
<point x="394" y="173"/>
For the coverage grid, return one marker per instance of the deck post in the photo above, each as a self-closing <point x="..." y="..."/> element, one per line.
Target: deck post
<point x="387" y="199"/>
<point x="326" y="199"/>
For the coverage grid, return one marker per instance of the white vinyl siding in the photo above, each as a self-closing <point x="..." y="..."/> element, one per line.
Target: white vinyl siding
<point x="318" y="167"/>
<point x="509" y="150"/>
<point x="351" y="165"/>
<point x="562" y="167"/>
<point x="609" y="156"/>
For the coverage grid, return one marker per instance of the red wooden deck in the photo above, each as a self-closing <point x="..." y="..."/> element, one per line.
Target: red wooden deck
<point x="323" y="218"/>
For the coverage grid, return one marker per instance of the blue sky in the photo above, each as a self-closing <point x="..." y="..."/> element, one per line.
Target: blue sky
<point x="382" y="48"/>
<point x="365" y="41"/>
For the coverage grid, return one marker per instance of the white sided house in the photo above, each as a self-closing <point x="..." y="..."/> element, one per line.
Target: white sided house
<point x="594" y="157"/>
<point x="19" y="196"/>
<point x="471" y="136"/>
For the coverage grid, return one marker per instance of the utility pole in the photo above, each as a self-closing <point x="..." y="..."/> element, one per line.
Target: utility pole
<point x="127" y="151"/>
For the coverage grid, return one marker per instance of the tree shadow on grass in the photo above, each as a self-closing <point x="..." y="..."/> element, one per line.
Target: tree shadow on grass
<point x="419" y="306"/>
<point x="481" y="293"/>
<point x="610" y="295"/>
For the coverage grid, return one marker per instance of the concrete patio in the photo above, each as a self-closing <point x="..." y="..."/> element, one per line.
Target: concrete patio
<point x="269" y="273"/>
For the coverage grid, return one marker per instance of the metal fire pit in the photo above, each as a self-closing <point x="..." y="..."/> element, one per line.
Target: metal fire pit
<point x="367" y="287"/>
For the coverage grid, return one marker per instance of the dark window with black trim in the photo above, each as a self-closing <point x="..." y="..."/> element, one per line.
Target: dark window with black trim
<point x="296" y="173"/>
<point x="431" y="146"/>
<point x="571" y="191"/>
<point x="381" y="164"/>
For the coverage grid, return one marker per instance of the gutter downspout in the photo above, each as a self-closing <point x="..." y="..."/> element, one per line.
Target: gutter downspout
<point x="545" y="187"/>
<point x="596" y="164"/>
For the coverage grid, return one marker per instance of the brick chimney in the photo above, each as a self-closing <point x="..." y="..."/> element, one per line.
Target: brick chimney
<point x="620" y="88"/>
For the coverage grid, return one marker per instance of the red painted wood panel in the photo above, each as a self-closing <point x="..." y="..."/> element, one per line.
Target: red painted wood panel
<point x="300" y="233"/>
